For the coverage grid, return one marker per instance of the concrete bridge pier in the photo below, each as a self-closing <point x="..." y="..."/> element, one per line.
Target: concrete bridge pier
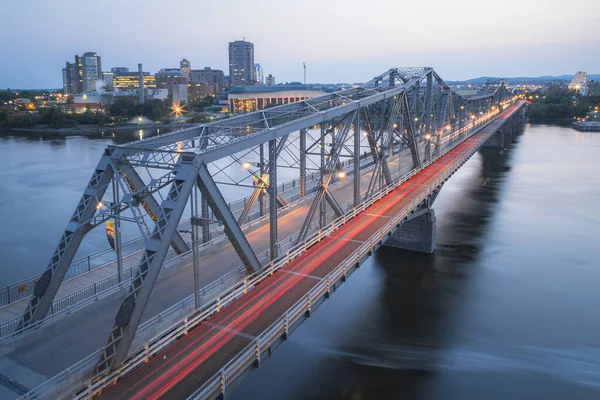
<point x="416" y="234"/>
<point x="499" y="139"/>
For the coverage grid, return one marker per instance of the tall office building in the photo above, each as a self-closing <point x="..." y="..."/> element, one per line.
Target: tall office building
<point x="210" y="77"/>
<point x="579" y="83"/>
<point x="258" y="74"/>
<point x="81" y="76"/>
<point x="107" y="77"/>
<point x="90" y="67"/>
<point x="70" y="81"/>
<point x="184" y="67"/>
<point x="241" y="63"/>
<point x="119" y="70"/>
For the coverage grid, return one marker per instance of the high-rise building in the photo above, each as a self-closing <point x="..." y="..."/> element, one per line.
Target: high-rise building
<point x="579" y="82"/>
<point x="90" y="65"/>
<point x="209" y="76"/>
<point x="167" y="77"/>
<point x="184" y="67"/>
<point x="270" y="80"/>
<point x="131" y="81"/>
<point x="258" y="73"/>
<point x="81" y="76"/>
<point x="241" y="63"/>
<point x="70" y="80"/>
<point x="119" y="70"/>
<point x="107" y="77"/>
<point x="180" y="94"/>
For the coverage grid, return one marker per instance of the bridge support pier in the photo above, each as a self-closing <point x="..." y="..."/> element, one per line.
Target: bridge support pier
<point x="417" y="234"/>
<point x="497" y="141"/>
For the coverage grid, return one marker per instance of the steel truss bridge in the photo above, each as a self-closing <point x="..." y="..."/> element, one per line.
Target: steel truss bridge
<point x="405" y="114"/>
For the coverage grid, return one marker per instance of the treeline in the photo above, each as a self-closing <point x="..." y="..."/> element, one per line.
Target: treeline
<point x="559" y="102"/>
<point x="52" y="117"/>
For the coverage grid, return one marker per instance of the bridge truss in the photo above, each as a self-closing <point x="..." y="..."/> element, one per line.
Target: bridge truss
<point x="151" y="181"/>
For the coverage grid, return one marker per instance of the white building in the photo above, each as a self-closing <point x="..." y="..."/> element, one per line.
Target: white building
<point x="579" y="83"/>
<point x="180" y="94"/>
<point x="245" y="99"/>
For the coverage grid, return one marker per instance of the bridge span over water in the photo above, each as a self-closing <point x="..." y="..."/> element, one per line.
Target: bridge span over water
<point x="381" y="153"/>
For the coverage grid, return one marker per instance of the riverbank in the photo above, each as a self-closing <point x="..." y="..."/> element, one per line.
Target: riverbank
<point x="91" y="130"/>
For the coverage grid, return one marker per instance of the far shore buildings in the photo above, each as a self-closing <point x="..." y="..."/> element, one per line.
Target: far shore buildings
<point x="244" y="99"/>
<point x="579" y="83"/>
<point x="81" y="76"/>
<point x="241" y="63"/>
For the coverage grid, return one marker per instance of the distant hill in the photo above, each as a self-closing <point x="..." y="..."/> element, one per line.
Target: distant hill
<point x="520" y="79"/>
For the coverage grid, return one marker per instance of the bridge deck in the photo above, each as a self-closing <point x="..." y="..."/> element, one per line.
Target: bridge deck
<point x="187" y="364"/>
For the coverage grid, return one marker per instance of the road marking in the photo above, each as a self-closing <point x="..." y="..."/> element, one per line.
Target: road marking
<point x="301" y="274"/>
<point x="348" y="240"/>
<point x="242" y="334"/>
<point x="378" y="215"/>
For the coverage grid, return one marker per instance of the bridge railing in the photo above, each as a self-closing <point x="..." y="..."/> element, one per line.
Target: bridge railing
<point x="168" y="336"/>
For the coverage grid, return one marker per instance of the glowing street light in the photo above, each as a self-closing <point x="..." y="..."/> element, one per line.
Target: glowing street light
<point x="427" y="136"/>
<point x="341" y="175"/>
<point x="246" y="165"/>
<point x="177" y="110"/>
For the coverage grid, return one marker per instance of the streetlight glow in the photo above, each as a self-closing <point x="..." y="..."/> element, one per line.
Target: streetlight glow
<point x="246" y="165"/>
<point x="341" y="174"/>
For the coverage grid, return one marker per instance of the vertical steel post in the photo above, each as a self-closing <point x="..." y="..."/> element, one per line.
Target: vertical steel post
<point x="273" y="197"/>
<point x="205" y="224"/>
<point x="262" y="200"/>
<point x="115" y="188"/>
<point x="357" y="159"/>
<point x="428" y="108"/>
<point x="194" y="230"/>
<point x="322" y="209"/>
<point x="302" y="163"/>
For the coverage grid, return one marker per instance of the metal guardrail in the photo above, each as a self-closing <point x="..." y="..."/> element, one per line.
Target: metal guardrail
<point x="61" y="382"/>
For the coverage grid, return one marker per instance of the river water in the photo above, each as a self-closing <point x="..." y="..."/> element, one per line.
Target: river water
<point x="507" y="307"/>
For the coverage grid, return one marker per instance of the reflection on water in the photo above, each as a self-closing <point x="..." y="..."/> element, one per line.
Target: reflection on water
<point x="505" y="308"/>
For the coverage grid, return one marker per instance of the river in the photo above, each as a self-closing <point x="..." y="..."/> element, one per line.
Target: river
<point x="507" y="307"/>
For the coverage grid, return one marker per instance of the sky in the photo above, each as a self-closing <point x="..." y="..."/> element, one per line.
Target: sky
<point x="340" y="40"/>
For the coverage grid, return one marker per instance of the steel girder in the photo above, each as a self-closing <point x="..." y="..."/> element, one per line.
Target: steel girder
<point x="148" y="202"/>
<point x="302" y="163"/>
<point x="217" y="203"/>
<point x="356" y="154"/>
<point x="47" y="286"/>
<point x="327" y="174"/>
<point x="262" y="185"/>
<point x="156" y="247"/>
<point x="177" y="153"/>
<point x="272" y="191"/>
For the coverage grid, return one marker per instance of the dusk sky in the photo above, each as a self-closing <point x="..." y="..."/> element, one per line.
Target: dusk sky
<point x="340" y="40"/>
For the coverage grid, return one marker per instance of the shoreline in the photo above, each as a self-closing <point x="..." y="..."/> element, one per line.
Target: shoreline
<point x="96" y="130"/>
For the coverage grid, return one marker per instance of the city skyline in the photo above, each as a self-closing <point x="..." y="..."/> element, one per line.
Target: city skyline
<point x="482" y="45"/>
